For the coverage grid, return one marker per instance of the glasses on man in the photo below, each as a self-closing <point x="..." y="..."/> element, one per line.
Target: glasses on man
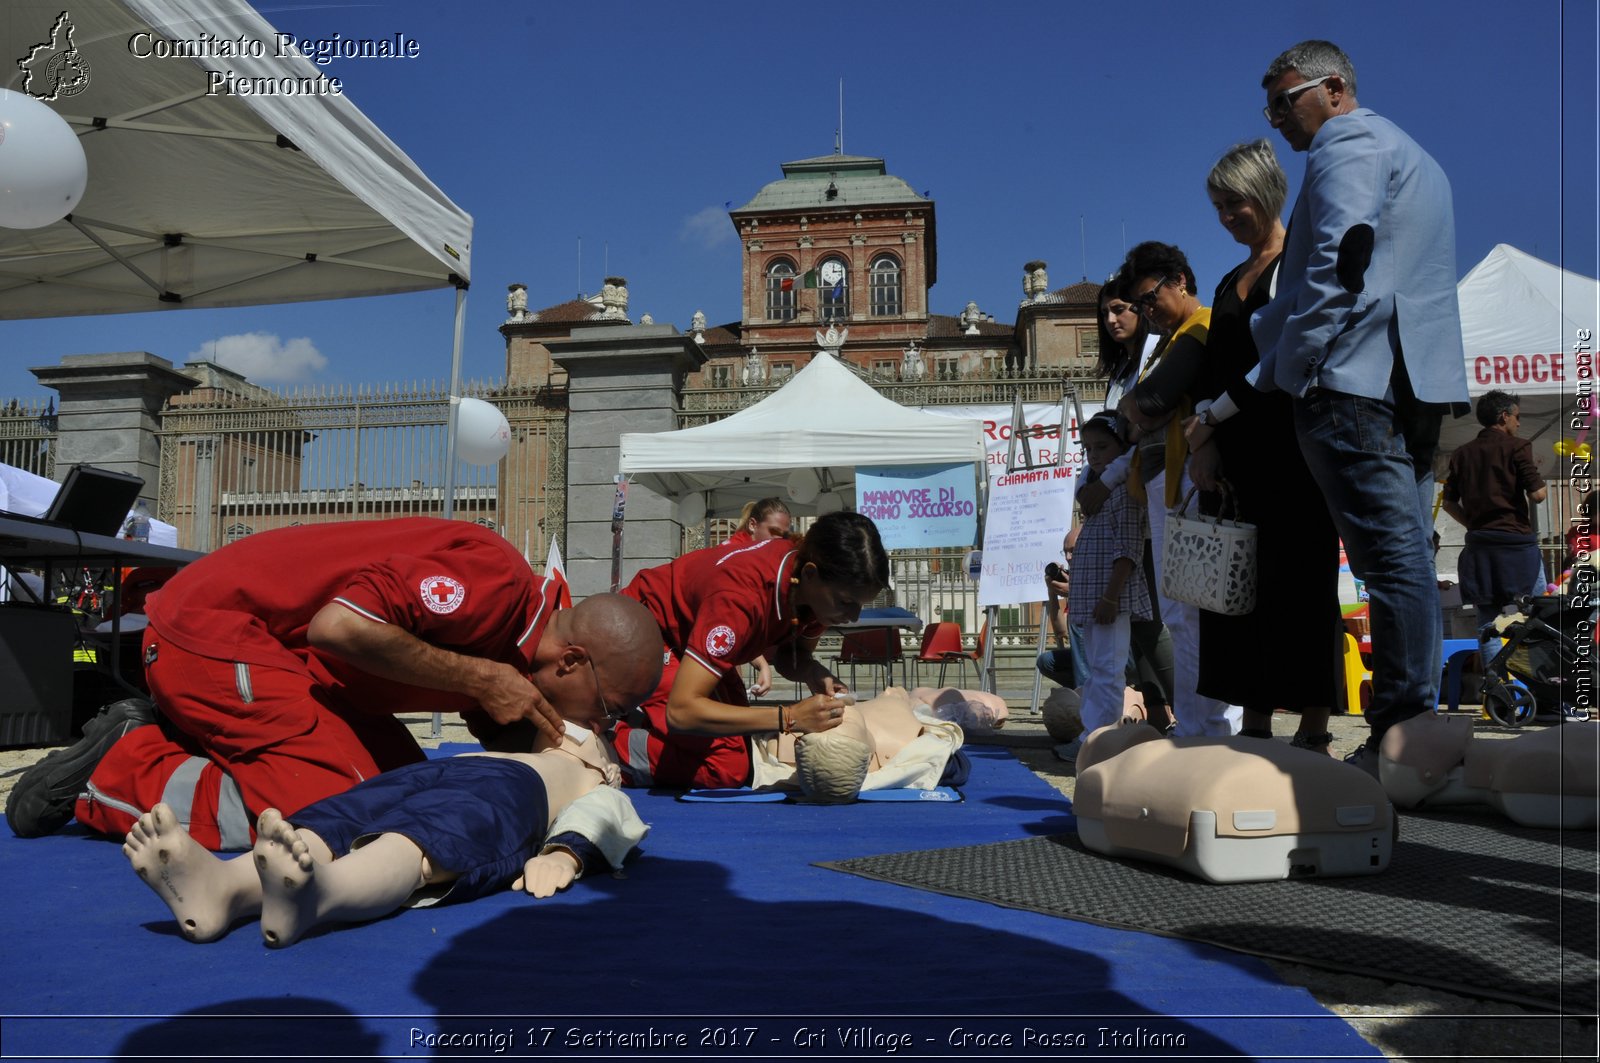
<point x="1280" y="104"/>
<point x="606" y="712"/>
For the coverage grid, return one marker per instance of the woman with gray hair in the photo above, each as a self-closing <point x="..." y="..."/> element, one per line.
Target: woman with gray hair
<point x="1285" y="653"/>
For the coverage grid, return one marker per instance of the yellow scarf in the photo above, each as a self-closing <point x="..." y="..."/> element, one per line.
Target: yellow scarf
<point x="1197" y="325"/>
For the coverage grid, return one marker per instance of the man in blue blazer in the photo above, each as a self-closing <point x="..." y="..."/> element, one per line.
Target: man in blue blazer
<point x="1365" y="333"/>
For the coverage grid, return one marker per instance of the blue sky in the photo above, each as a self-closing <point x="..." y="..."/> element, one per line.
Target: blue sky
<point x="1065" y="131"/>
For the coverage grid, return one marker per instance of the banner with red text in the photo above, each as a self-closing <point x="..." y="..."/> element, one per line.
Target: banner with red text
<point x="1044" y="432"/>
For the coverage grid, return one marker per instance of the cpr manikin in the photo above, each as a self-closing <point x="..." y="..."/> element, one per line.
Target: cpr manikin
<point x="1545" y="778"/>
<point x="295" y="880"/>
<point x="891" y="741"/>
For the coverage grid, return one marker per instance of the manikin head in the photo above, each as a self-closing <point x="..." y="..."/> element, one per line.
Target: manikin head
<point x="831" y="766"/>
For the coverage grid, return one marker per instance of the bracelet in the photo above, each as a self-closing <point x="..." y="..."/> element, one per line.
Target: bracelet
<point x="783" y="726"/>
<point x="1108" y="599"/>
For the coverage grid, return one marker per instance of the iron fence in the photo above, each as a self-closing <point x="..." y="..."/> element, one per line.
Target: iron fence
<point x="230" y="467"/>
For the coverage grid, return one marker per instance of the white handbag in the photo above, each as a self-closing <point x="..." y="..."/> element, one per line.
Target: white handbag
<point x="1208" y="561"/>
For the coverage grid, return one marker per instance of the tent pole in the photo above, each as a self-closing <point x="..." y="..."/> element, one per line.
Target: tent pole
<point x="451" y="417"/>
<point x="454" y="414"/>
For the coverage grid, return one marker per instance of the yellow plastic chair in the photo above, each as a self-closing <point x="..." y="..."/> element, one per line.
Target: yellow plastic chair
<point x="1357" y="678"/>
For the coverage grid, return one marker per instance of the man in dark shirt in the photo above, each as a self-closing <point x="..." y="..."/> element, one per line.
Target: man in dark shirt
<point x="1492" y="481"/>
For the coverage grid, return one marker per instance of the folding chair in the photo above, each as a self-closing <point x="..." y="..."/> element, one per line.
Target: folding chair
<point x="877" y="647"/>
<point x="938" y="639"/>
<point x="963" y="656"/>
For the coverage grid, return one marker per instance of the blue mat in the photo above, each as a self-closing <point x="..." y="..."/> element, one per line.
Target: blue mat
<point x="722" y="939"/>
<point x="766" y="797"/>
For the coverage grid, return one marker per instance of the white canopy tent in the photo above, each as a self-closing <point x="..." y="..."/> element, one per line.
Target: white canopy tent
<point x="1520" y="317"/>
<point x="825" y="419"/>
<point x="200" y="198"/>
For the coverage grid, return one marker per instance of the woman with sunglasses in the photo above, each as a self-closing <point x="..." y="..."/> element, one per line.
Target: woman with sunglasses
<point x="720" y="608"/>
<point x="1285" y="653"/>
<point x="1158" y="280"/>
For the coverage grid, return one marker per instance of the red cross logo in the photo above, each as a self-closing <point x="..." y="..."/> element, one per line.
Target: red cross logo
<point x="721" y="640"/>
<point x="441" y="594"/>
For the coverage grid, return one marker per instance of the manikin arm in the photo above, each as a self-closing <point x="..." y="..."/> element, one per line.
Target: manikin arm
<point x="597" y="830"/>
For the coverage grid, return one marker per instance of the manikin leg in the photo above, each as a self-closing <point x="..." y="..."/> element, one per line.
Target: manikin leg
<point x="206" y="894"/>
<point x="302" y="887"/>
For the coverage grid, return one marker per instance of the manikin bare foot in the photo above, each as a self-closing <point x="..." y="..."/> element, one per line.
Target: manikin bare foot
<point x="205" y="894"/>
<point x="287" y="875"/>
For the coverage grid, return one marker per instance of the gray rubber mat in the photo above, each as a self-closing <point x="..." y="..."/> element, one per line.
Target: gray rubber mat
<point x="1473" y="904"/>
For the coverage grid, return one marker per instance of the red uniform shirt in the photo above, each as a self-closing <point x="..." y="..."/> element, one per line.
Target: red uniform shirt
<point x="721" y="606"/>
<point x="452" y="584"/>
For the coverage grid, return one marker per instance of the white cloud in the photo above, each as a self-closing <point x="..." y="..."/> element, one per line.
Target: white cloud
<point x="263" y="358"/>
<point x="708" y="228"/>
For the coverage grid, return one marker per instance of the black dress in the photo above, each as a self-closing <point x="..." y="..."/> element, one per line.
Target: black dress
<point x="1284" y="654"/>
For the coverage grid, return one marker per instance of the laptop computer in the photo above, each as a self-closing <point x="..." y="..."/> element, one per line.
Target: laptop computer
<point x="94" y="500"/>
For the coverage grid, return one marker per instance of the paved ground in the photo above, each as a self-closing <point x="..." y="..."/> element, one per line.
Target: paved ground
<point x="1404" y="1022"/>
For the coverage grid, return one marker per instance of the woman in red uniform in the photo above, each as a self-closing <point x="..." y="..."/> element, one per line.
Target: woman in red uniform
<point x="760" y="520"/>
<point x="722" y="607"/>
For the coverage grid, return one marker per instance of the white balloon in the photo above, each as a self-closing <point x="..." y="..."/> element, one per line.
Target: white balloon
<point x="829" y="502"/>
<point x="803" y="486"/>
<point x="692" y="508"/>
<point x="482" y="434"/>
<point x="43" y="170"/>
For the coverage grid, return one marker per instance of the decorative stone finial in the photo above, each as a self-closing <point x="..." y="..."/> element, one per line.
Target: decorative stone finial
<point x="912" y="365"/>
<point x="614" y="299"/>
<point x="754" y="371"/>
<point x="516" y="302"/>
<point x="830" y="341"/>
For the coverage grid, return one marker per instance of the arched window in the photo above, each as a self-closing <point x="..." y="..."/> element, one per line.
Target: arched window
<point x="833" y="290"/>
<point x="885" y="286"/>
<point x="234" y="532"/>
<point x="781" y="283"/>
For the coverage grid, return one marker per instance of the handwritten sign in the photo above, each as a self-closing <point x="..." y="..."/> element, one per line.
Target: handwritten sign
<point x="1029" y="513"/>
<point x="920" y="506"/>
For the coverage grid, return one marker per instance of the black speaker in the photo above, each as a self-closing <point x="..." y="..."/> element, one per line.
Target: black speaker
<point x="36" y="647"/>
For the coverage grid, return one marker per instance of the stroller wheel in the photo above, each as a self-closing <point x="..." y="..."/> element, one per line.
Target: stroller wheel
<point x="1509" y="704"/>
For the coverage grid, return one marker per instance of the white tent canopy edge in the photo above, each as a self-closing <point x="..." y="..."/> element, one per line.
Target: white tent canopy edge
<point x="1522" y="324"/>
<point x="209" y="199"/>
<point x="825" y="419"/>
<point x="199" y="198"/>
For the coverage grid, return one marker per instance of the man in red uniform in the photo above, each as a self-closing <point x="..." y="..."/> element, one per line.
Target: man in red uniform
<point x="279" y="663"/>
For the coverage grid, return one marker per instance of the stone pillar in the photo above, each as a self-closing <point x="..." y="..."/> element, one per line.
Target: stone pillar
<point x="620" y="379"/>
<point x="110" y="412"/>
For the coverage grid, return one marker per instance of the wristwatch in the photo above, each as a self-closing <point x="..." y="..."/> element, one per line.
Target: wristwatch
<point x="1207" y="419"/>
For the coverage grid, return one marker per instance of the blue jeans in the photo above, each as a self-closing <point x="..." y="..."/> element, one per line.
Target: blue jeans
<point x="1067" y="667"/>
<point x="1374" y="464"/>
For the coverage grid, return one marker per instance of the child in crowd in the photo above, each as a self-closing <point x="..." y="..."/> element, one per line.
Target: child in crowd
<point x="1107" y="586"/>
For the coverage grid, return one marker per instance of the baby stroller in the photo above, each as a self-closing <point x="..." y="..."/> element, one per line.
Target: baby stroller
<point x="1546" y="664"/>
